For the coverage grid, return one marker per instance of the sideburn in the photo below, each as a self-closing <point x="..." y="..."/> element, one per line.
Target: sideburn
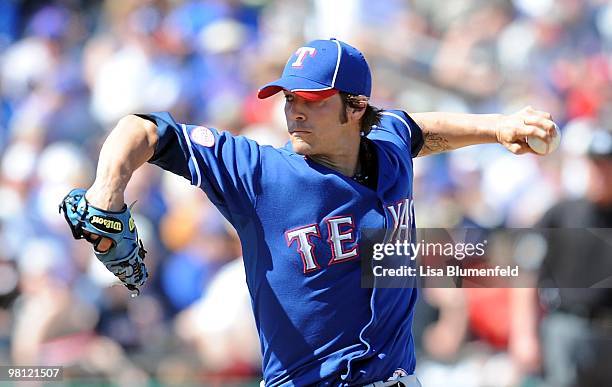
<point x="343" y="116"/>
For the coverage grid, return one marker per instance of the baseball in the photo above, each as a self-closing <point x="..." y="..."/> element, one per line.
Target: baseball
<point x="542" y="147"/>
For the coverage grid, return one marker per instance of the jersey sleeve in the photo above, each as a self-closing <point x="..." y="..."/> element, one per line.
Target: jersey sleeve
<point x="226" y="167"/>
<point x="402" y="125"/>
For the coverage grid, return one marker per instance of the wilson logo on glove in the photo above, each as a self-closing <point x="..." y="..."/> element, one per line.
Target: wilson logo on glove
<point x="107" y="224"/>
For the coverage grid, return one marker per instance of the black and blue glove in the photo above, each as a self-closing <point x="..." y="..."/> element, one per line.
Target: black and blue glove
<point x="125" y="257"/>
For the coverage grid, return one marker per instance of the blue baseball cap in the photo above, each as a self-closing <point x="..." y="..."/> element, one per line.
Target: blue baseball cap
<point x="322" y="68"/>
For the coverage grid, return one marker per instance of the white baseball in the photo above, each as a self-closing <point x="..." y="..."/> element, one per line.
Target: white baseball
<point x="542" y="147"/>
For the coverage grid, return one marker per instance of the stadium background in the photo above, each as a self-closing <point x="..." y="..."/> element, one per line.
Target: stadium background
<point x="70" y="69"/>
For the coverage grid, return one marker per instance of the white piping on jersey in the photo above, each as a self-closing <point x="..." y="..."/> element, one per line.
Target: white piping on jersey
<point x="401" y="119"/>
<point x="195" y="162"/>
<point x="363" y="340"/>
<point x="337" y="64"/>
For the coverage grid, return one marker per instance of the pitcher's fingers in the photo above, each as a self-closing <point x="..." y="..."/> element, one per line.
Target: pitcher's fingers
<point x="104" y="245"/>
<point x="519" y="148"/>
<point x="101" y="246"/>
<point x="546" y="124"/>
<point x="514" y="148"/>
<point x="543" y="114"/>
<point x="536" y="131"/>
<point x="525" y="148"/>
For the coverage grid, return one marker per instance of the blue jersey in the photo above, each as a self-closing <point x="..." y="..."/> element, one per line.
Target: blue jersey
<point x="299" y="223"/>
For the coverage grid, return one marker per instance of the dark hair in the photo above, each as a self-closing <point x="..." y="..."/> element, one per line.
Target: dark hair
<point x="371" y="116"/>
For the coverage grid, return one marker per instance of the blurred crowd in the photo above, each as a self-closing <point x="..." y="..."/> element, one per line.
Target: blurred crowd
<point x="70" y="69"/>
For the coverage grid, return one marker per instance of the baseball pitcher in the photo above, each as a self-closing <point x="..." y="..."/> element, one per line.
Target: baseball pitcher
<point x="299" y="210"/>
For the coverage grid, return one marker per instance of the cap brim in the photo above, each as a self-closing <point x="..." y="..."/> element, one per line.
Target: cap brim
<point x="306" y="88"/>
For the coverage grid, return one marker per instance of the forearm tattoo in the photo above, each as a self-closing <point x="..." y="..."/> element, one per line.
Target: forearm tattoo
<point x="435" y="143"/>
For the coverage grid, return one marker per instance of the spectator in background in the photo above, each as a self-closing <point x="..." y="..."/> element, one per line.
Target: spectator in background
<point x="577" y="328"/>
<point x="220" y="325"/>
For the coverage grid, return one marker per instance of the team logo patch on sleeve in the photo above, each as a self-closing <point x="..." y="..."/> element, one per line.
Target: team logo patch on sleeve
<point x="203" y="136"/>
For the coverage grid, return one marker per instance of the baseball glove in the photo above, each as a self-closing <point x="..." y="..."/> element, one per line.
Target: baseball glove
<point x="125" y="258"/>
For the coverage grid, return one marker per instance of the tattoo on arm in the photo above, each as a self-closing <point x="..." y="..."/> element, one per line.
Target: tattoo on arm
<point x="434" y="143"/>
